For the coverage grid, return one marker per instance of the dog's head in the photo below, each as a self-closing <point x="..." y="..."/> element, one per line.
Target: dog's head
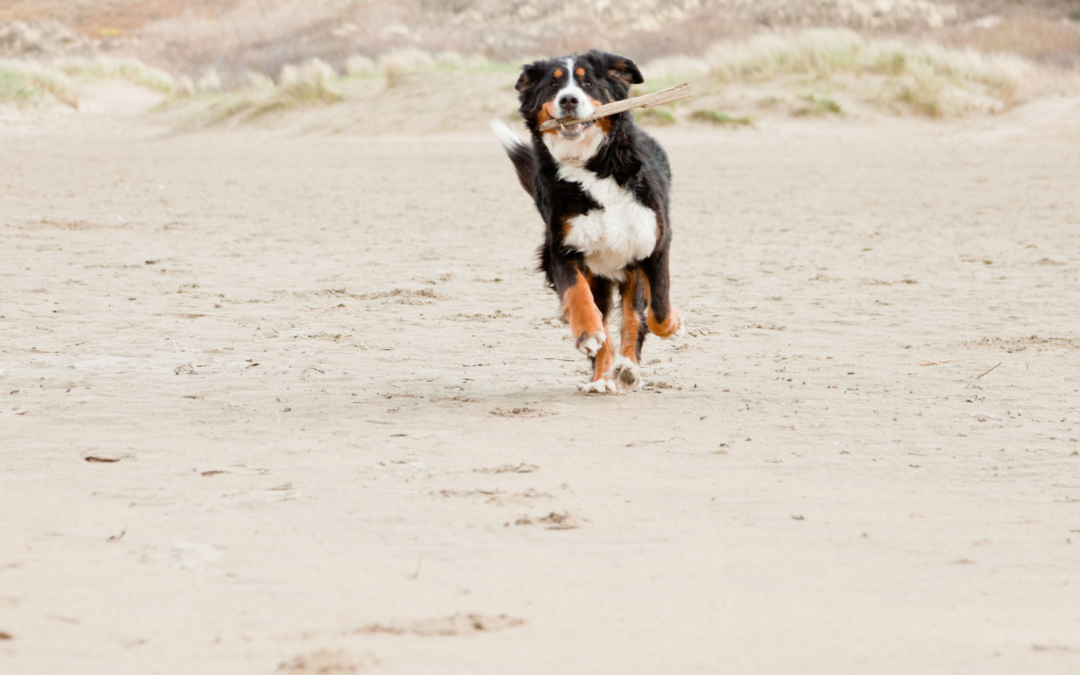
<point x="573" y="86"/>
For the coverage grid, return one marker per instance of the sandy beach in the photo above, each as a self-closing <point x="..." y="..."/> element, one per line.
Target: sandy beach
<point x="285" y="402"/>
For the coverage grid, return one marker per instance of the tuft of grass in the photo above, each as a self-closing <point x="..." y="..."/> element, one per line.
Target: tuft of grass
<point x="656" y="116"/>
<point x="817" y="52"/>
<point x="721" y="118"/>
<point x="924" y="92"/>
<point x="184" y="88"/>
<point x="24" y="82"/>
<point x="307" y="83"/>
<point x="258" y="81"/>
<point x="400" y="63"/>
<point x="13" y="87"/>
<point x="359" y="65"/>
<point x="106" y="67"/>
<point x="818" y="106"/>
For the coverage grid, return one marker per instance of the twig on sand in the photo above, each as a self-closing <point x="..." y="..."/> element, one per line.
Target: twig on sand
<point x="935" y="363"/>
<point x="670" y="95"/>
<point x="192" y="315"/>
<point x="673" y="438"/>
<point x="419" y="565"/>
<point x="979" y="377"/>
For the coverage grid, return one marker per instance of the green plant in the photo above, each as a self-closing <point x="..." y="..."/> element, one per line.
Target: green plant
<point x="13" y="87"/>
<point x="721" y="118"/>
<point x="657" y="116"/>
<point x="818" y="106"/>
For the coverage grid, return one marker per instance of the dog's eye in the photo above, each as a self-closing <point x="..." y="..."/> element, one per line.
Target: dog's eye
<point x="586" y="84"/>
<point x="555" y="84"/>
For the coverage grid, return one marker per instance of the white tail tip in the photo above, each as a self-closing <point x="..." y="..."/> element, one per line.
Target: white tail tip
<point x="507" y="136"/>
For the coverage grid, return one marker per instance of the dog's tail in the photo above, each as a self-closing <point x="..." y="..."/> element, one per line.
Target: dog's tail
<point x="520" y="153"/>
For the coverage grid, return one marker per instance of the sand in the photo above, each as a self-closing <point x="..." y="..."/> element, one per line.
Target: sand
<point x="275" y="401"/>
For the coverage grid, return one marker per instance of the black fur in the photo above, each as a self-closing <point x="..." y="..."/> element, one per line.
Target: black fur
<point x="522" y="158"/>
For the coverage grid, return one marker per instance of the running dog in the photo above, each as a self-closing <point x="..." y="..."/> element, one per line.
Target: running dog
<point x="602" y="189"/>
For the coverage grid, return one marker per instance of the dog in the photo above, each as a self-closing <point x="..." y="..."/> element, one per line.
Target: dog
<point x="602" y="188"/>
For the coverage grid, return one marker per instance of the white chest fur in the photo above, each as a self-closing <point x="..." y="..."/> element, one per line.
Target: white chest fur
<point x="624" y="231"/>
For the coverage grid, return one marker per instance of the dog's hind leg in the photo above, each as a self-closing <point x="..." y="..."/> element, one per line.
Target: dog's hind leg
<point x="663" y="319"/>
<point x="626" y="370"/>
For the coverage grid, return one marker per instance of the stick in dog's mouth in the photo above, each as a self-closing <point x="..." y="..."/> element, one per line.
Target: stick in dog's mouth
<point x="573" y="130"/>
<point x="670" y="95"/>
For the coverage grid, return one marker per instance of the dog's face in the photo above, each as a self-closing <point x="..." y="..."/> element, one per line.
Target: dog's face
<point x="573" y="86"/>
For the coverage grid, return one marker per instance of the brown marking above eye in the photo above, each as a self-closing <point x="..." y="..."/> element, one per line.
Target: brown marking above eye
<point x="558" y="74"/>
<point x="580" y="72"/>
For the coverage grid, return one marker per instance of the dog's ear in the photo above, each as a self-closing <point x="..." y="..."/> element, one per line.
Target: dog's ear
<point x="530" y="75"/>
<point x="619" y="68"/>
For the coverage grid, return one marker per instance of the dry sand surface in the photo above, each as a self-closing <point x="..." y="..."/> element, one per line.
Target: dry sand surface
<point x="298" y="403"/>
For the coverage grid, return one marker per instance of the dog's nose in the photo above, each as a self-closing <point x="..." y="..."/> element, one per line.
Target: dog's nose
<point x="568" y="101"/>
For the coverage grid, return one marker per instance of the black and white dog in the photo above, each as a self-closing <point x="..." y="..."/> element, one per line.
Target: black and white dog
<point x="602" y="189"/>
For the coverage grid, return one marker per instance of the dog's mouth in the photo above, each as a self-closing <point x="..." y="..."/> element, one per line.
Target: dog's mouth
<point x="574" y="131"/>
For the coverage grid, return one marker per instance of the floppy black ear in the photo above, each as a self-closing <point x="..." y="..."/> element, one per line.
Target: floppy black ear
<point x="530" y="75"/>
<point x="619" y="68"/>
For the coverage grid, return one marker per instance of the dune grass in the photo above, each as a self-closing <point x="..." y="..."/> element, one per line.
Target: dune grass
<point x="28" y="82"/>
<point x="822" y="71"/>
<point x="108" y="68"/>
<point x="926" y="78"/>
<point x="844" y="71"/>
<point x="310" y="83"/>
<point x="25" y="82"/>
<point x="315" y="83"/>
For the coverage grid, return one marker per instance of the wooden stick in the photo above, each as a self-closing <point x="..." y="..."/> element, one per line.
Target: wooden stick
<point x="979" y="377"/>
<point x="676" y="93"/>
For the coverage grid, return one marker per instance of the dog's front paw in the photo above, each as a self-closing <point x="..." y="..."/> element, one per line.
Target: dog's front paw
<point x="589" y="343"/>
<point x="626" y="373"/>
<point x="601" y="386"/>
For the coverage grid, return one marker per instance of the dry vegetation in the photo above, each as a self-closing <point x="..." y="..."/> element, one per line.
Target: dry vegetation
<point x="30" y="81"/>
<point x="925" y="78"/>
<point x="253" y="60"/>
<point x="813" y="73"/>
